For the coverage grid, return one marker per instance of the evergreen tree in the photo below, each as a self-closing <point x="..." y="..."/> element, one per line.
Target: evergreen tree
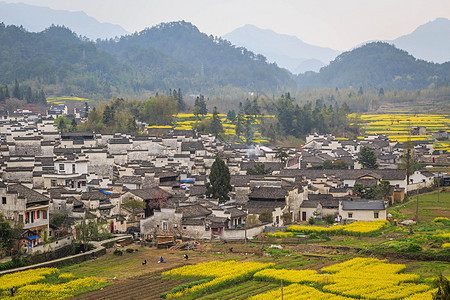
<point x="108" y="115"/>
<point x="29" y="95"/>
<point x="7" y="92"/>
<point x="42" y="97"/>
<point x="16" y="91"/>
<point x="381" y="92"/>
<point x="216" y="124"/>
<point x="231" y="115"/>
<point x="2" y="94"/>
<point x="219" y="185"/>
<point x="179" y="98"/>
<point x="368" y="158"/>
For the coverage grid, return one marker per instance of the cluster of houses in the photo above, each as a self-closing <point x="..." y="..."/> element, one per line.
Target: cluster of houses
<point x="88" y="175"/>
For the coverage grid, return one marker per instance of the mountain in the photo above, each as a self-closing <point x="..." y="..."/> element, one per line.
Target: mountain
<point x="377" y="65"/>
<point x="197" y="61"/>
<point x="36" y="19"/>
<point x="170" y="55"/>
<point x="430" y="41"/>
<point x="287" y="51"/>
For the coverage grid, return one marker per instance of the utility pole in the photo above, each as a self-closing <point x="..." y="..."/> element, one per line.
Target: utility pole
<point x="439" y="182"/>
<point x="417" y="207"/>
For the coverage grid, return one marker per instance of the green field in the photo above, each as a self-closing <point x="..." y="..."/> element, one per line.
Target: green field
<point x="429" y="207"/>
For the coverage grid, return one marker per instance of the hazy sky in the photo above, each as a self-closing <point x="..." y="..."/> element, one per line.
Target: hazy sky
<point x="339" y="24"/>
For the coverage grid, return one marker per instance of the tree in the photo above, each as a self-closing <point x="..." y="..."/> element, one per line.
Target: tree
<point x="134" y="205"/>
<point x="216" y="124"/>
<point x="16" y="91"/>
<point x="231" y="115"/>
<point x="8" y="233"/>
<point x="29" y="95"/>
<point x="63" y="124"/>
<point x="442" y="284"/>
<point x="259" y="169"/>
<point x="367" y="158"/>
<point x="201" y="104"/>
<point x="58" y="219"/>
<point x="328" y="164"/>
<point x="159" y="110"/>
<point x="408" y="160"/>
<point x="287" y="218"/>
<point x="266" y="216"/>
<point x="219" y="185"/>
<point x="282" y="156"/>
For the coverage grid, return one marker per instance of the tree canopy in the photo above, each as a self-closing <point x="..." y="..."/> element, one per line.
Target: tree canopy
<point x="219" y="185"/>
<point x="367" y="158"/>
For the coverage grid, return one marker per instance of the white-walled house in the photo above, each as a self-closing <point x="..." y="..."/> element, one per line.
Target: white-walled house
<point x="362" y="210"/>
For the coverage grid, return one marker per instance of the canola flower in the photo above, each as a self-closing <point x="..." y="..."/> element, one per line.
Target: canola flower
<point x="30" y="285"/>
<point x="223" y="273"/>
<point x="297" y="291"/>
<point x="288" y="276"/>
<point x="361" y="278"/>
<point x="356" y="228"/>
<point x="25" y="278"/>
<point x="280" y="234"/>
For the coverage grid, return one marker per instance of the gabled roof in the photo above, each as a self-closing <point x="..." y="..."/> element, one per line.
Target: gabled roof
<point x="363" y="205"/>
<point x="130" y="179"/>
<point x="31" y="196"/>
<point x="193" y="211"/>
<point x="149" y="193"/>
<point x="269" y="193"/>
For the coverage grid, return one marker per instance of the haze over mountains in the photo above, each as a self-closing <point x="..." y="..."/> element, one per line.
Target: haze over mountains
<point x="179" y="55"/>
<point x="36" y="19"/>
<point x="287" y="51"/>
<point x="430" y="42"/>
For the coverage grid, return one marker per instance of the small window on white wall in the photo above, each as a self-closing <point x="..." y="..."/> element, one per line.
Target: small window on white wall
<point x="375" y="215"/>
<point x="350" y="215"/>
<point x="164" y="225"/>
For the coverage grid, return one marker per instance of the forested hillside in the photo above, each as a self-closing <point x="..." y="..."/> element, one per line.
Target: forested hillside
<point x="157" y="59"/>
<point x="59" y="60"/>
<point x="377" y="65"/>
<point x="179" y="54"/>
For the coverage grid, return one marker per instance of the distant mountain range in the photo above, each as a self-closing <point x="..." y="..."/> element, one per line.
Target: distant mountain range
<point x="377" y="65"/>
<point x="430" y="41"/>
<point x="36" y="19"/>
<point x="287" y="51"/>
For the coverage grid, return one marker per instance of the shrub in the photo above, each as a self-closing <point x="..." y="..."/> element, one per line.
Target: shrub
<point x="266" y="216"/>
<point x="329" y="219"/>
<point x="118" y="252"/>
<point x="129" y="250"/>
<point x="311" y="220"/>
<point x="413" y="247"/>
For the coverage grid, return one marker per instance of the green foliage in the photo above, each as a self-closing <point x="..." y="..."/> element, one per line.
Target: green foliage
<point x="185" y="286"/>
<point x="8" y="233"/>
<point x="367" y="158"/>
<point x="64" y="124"/>
<point x="337" y="164"/>
<point x="219" y="185"/>
<point x="376" y="64"/>
<point x="380" y="191"/>
<point x="12" y="264"/>
<point x="300" y="121"/>
<point x="312" y="220"/>
<point x="129" y="250"/>
<point x="159" y="110"/>
<point x="118" y="252"/>
<point x="259" y="169"/>
<point x="216" y="124"/>
<point x="276" y="253"/>
<point x="443" y="288"/>
<point x="329" y="219"/>
<point x="58" y="219"/>
<point x="266" y="216"/>
<point x="231" y="115"/>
